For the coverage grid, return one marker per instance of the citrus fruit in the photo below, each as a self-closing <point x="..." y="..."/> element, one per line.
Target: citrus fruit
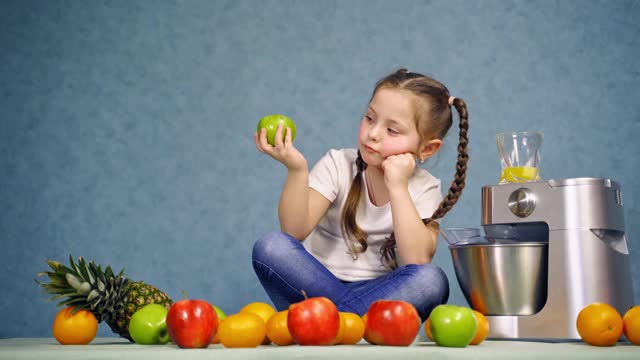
<point x="599" y="324"/>
<point x="74" y="329"/>
<point x="341" y="327"/>
<point x="631" y="325"/>
<point x="221" y="316"/>
<point x="427" y="329"/>
<point x="277" y="330"/>
<point x="483" y="328"/>
<point x="263" y="310"/>
<point x="216" y="337"/>
<point x="351" y="328"/>
<point x="242" y="330"/>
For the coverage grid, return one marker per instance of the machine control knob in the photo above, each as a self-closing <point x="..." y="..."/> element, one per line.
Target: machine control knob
<point x="522" y="202"/>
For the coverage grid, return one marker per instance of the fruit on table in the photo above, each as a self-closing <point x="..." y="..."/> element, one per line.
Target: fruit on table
<point x="483" y="328"/>
<point x="313" y="321"/>
<point x="221" y="316"/>
<point x="631" y="325"/>
<point x="352" y="328"/>
<point x="427" y="328"/>
<point x="277" y="330"/>
<point x="242" y="330"/>
<point x="341" y="327"/>
<point x="148" y="325"/>
<point x="78" y="328"/>
<point x="271" y="122"/>
<point x="110" y="297"/>
<point x="367" y="332"/>
<point x="453" y="326"/>
<point x="192" y="323"/>
<point x="599" y="324"/>
<point x="263" y="310"/>
<point x="392" y="322"/>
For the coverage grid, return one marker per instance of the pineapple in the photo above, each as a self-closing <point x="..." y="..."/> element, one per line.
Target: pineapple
<point x="111" y="298"/>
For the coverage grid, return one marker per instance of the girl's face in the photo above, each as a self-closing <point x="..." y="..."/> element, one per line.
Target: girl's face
<point x="388" y="127"/>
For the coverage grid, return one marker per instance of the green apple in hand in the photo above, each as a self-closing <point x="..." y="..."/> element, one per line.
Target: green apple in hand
<point x="271" y="122"/>
<point x="453" y="326"/>
<point x="148" y="326"/>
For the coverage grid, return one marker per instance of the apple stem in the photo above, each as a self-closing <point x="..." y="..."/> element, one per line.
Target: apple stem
<point x="184" y="293"/>
<point x="305" y="294"/>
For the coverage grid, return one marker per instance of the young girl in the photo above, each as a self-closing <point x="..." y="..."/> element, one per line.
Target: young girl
<point x="361" y="225"/>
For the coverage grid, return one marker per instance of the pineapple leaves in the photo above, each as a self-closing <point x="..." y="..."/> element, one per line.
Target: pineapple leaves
<point x="82" y="266"/>
<point x="57" y="267"/>
<point x="73" y="281"/>
<point x="85" y="271"/>
<point x="110" y="296"/>
<point x="100" y="278"/>
<point x="73" y="265"/>
<point x="92" y="295"/>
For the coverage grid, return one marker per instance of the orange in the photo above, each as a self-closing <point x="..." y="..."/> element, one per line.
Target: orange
<point x="483" y="328"/>
<point x="263" y="310"/>
<point x="277" y="330"/>
<point x="599" y="324"/>
<point x="631" y="325"/>
<point x="338" y="338"/>
<point x="427" y="328"/>
<point x="351" y="329"/>
<point x="242" y="330"/>
<point x="74" y="329"/>
<point x="216" y="337"/>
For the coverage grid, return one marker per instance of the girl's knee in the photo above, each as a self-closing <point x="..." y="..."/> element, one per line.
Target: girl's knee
<point x="435" y="274"/>
<point x="271" y="245"/>
<point x="434" y="282"/>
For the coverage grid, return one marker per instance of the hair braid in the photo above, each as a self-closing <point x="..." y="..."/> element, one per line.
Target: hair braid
<point x="455" y="190"/>
<point x="457" y="185"/>
<point x="350" y="228"/>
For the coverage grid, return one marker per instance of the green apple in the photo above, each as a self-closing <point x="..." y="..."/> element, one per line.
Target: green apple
<point x="271" y="122"/>
<point x="219" y="312"/>
<point x="452" y="326"/>
<point x="148" y="326"/>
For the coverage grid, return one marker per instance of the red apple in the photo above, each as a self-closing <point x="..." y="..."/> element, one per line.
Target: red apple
<point x="392" y="322"/>
<point x="192" y="323"/>
<point x="314" y="321"/>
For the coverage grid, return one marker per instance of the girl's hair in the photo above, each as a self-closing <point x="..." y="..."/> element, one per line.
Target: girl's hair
<point x="433" y="120"/>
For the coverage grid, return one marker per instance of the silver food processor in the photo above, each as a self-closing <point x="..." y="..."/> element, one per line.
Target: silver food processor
<point x="550" y="248"/>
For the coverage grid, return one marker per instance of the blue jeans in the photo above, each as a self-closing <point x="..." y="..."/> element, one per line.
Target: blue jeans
<point x="284" y="268"/>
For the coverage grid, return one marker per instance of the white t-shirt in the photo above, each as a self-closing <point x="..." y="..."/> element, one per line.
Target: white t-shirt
<point x="332" y="177"/>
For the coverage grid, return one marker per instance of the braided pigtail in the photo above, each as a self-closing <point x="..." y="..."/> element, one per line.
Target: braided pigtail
<point x="387" y="251"/>
<point x="457" y="185"/>
<point x="351" y="231"/>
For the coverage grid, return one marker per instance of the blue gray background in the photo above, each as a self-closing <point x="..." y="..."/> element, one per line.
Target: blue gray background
<point x="126" y="126"/>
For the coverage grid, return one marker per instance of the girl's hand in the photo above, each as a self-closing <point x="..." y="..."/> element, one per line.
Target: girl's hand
<point x="398" y="169"/>
<point x="283" y="151"/>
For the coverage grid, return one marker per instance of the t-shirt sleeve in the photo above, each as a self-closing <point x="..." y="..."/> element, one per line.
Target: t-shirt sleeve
<point x="324" y="175"/>
<point x="428" y="201"/>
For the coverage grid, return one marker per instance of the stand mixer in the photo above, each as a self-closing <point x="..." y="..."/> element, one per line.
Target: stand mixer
<point x="551" y="248"/>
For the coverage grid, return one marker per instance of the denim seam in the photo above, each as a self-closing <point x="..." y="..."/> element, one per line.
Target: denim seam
<point x="370" y="290"/>
<point x="348" y="303"/>
<point x="278" y="275"/>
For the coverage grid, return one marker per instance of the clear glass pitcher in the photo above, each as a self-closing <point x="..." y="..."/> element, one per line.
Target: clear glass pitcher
<point x="519" y="156"/>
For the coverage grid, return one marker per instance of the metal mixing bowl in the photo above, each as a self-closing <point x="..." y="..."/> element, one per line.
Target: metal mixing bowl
<point x="503" y="279"/>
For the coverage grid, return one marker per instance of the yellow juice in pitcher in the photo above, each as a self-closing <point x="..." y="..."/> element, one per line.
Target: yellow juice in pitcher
<point x="519" y="174"/>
